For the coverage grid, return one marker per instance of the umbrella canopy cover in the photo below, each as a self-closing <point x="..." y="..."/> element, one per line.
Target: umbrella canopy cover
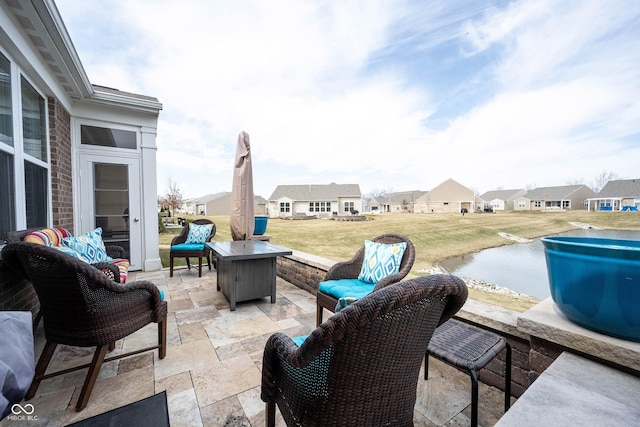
<point x="242" y="222"/>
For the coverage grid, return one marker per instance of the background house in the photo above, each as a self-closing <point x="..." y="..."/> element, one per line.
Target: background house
<point x="573" y="197"/>
<point x="622" y="194"/>
<point x="500" y="200"/>
<point x="322" y="201"/>
<point x="72" y="154"/>
<point x="448" y="197"/>
<point x="402" y="201"/>
<point x="220" y="204"/>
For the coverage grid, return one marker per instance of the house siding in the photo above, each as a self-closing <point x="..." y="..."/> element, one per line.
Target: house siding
<point x="552" y="198"/>
<point x="448" y="197"/>
<point x="299" y="197"/>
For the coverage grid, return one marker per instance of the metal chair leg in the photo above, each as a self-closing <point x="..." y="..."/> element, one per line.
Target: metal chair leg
<point x="507" y="381"/>
<point x="270" y="414"/>
<point x="474" y="398"/>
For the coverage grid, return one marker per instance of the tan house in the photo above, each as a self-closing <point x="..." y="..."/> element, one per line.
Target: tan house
<point x="618" y="195"/>
<point x="402" y="201"/>
<point x="566" y="197"/>
<point x="322" y="201"/>
<point x="500" y="200"/>
<point x="220" y="204"/>
<point x="448" y="197"/>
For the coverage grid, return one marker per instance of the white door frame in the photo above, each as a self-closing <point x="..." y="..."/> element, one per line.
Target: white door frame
<point x="86" y="204"/>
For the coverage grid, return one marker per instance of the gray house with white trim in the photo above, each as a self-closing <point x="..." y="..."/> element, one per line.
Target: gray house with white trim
<point x="322" y="201"/>
<point x="618" y="195"/>
<point x="565" y="197"/>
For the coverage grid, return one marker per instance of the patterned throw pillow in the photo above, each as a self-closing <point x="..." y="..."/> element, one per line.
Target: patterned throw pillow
<point x="67" y="250"/>
<point x="198" y="233"/>
<point x="90" y="247"/>
<point x="381" y="260"/>
<point x="47" y="236"/>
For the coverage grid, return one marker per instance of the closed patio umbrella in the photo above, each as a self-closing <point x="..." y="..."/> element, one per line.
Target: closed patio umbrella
<point x="242" y="222"/>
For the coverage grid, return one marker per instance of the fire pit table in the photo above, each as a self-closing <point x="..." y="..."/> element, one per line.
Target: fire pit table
<point x="246" y="269"/>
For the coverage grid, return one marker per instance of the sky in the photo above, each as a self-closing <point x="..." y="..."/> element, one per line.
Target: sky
<point x="391" y="95"/>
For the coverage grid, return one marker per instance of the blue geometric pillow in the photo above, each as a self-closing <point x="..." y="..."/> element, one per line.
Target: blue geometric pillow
<point x="198" y="233"/>
<point x="381" y="260"/>
<point x="67" y="250"/>
<point x="90" y="247"/>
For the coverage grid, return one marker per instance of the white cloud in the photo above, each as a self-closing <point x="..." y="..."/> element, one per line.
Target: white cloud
<point x="532" y="91"/>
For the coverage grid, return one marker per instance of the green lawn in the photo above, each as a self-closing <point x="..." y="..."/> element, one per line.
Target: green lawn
<point x="435" y="236"/>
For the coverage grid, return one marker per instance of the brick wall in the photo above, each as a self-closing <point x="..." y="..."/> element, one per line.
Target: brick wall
<point x="61" y="164"/>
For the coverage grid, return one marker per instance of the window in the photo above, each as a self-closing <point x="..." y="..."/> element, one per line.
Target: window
<point x="105" y="137"/>
<point x="319" y="206"/>
<point x="35" y="180"/>
<point x="7" y="184"/>
<point x="566" y="204"/>
<point x="537" y="204"/>
<point x="6" y="110"/>
<point x="7" y="194"/>
<point x="285" y="207"/>
<point x="33" y="122"/>
<point x="521" y="204"/>
<point x="348" y="206"/>
<point x="24" y="152"/>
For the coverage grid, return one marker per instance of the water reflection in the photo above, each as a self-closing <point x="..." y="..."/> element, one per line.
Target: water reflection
<point x="520" y="267"/>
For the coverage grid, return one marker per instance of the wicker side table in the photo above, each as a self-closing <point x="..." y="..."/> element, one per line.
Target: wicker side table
<point x="469" y="349"/>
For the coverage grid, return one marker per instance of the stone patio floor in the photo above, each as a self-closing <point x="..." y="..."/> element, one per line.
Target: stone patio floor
<point x="212" y="370"/>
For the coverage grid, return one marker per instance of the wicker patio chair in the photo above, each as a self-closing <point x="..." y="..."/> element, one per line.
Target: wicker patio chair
<point x="361" y="366"/>
<point x="180" y="248"/>
<point x="351" y="270"/>
<point x="82" y="307"/>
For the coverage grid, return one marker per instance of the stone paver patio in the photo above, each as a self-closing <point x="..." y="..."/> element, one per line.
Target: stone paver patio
<point x="212" y="370"/>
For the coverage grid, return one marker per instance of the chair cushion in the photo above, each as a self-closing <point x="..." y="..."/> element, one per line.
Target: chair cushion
<point x="342" y="288"/>
<point x="47" y="236"/>
<point x="192" y="247"/>
<point x="198" y="233"/>
<point x="89" y="246"/>
<point x="299" y="340"/>
<point x="380" y="260"/>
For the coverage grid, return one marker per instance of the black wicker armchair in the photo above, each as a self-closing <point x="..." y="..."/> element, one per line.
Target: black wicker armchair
<point x="82" y="307"/>
<point x="361" y="366"/>
<point x="180" y="248"/>
<point x="351" y="269"/>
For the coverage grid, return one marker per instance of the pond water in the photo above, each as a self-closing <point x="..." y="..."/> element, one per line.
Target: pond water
<point x="520" y="267"/>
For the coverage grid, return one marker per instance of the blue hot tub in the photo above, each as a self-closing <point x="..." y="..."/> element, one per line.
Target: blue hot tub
<point x="595" y="282"/>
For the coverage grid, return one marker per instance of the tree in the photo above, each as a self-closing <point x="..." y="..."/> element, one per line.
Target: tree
<point x="173" y="199"/>
<point x="602" y="179"/>
<point x="378" y="192"/>
<point x="575" y="181"/>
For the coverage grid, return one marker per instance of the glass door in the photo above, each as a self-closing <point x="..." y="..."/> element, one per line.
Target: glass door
<point x="111" y="203"/>
<point x="111" y="200"/>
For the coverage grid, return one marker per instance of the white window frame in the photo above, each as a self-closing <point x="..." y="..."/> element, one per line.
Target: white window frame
<point x="17" y="150"/>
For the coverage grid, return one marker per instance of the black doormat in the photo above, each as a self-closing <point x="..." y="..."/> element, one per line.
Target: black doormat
<point x="149" y="412"/>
